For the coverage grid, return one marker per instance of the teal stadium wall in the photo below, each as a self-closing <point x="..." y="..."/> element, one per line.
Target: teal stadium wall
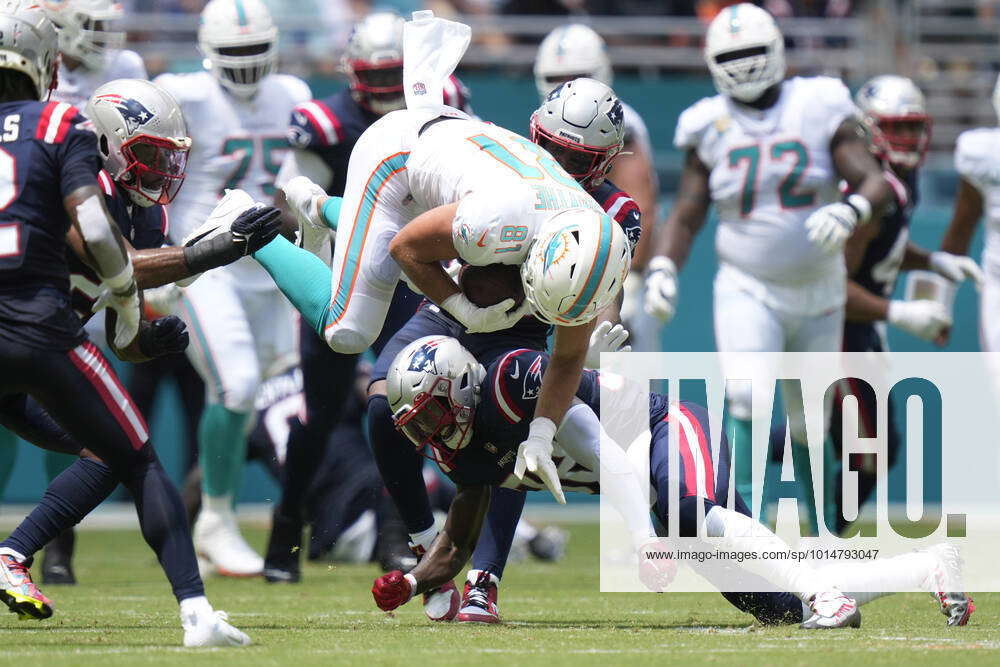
<point x="508" y="101"/>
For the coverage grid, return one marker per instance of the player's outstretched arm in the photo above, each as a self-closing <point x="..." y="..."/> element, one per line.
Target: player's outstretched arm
<point x="450" y="551"/>
<point x="672" y="248"/>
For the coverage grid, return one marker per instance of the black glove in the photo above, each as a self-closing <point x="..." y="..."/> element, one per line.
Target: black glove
<point x="164" y="335"/>
<point x="250" y="232"/>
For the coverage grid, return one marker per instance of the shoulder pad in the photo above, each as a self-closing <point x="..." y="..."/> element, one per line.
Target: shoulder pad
<point x="696" y="119"/>
<point x="515" y="382"/>
<point x="56" y="120"/>
<point x="107" y="185"/>
<point x="296" y="89"/>
<point x="313" y="123"/>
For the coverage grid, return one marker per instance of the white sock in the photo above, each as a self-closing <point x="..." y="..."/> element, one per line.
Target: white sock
<point x="473" y="577"/>
<point x="7" y="551"/>
<point x="741" y="533"/>
<point x="869" y="580"/>
<point x="222" y="505"/>
<point x="424" y="538"/>
<point x="195" y="606"/>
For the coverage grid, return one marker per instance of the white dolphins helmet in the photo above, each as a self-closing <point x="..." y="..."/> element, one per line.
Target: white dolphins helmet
<point x="240" y="41"/>
<point x="570" y="52"/>
<point x="142" y="137"/>
<point x="895" y="116"/>
<point x="745" y="52"/>
<point x="433" y="391"/>
<point x="373" y="62"/>
<point x="28" y="43"/>
<point x="582" y="124"/>
<point x="575" y="267"/>
<point x="86" y="28"/>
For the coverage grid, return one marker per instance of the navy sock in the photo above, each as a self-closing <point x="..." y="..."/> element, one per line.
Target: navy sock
<point x="499" y="527"/>
<point x="72" y="495"/>
<point x="164" y="525"/>
<point x="400" y="465"/>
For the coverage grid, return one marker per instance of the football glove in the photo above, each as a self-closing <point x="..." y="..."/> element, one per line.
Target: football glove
<point x="249" y="232"/>
<point x="302" y="196"/>
<point x="606" y="338"/>
<point x="830" y="226"/>
<point x="922" y="318"/>
<point x="655" y="573"/>
<point x="164" y="335"/>
<point x="956" y="268"/>
<point x="122" y="295"/>
<point x="393" y="590"/>
<point x="535" y="455"/>
<point x="483" y="320"/>
<point x="661" y="288"/>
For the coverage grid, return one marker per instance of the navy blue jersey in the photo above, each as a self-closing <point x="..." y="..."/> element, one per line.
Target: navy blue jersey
<point x="507" y="402"/>
<point x="46" y="152"/>
<point x="880" y="264"/>
<point x="330" y="127"/>
<point x="142" y="227"/>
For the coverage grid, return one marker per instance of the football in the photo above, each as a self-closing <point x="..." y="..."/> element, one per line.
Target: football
<point x="489" y="285"/>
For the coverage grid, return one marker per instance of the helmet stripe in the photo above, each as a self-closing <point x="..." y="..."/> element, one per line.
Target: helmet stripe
<point x="597" y="269"/>
<point x="241" y="13"/>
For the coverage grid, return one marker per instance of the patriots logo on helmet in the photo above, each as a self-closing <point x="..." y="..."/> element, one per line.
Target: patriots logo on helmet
<point x="132" y="111"/>
<point x="423" y="360"/>
<point x="616" y="114"/>
<point x="533" y="380"/>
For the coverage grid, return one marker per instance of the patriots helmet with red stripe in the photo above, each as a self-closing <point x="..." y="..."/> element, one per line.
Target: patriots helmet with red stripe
<point x="142" y="136"/>
<point x="894" y="114"/>
<point x="373" y="62"/>
<point x="28" y="43"/>
<point x="433" y="389"/>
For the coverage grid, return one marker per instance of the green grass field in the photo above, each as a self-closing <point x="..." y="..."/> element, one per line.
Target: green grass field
<point x="123" y="614"/>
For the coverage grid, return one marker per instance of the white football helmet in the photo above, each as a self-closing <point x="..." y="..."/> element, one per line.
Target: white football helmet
<point x="373" y="62"/>
<point x="582" y="125"/>
<point x="28" y="43"/>
<point x="142" y="137"/>
<point x="745" y="52"/>
<point x="240" y="41"/>
<point x="575" y="267"/>
<point x="894" y="114"/>
<point x="571" y="52"/>
<point x="433" y="391"/>
<point x="86" y="29"/>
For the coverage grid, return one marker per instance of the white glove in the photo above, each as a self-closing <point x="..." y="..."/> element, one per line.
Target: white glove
<point x="122" y="295"/>
<point x="830" y="226"/>
<point x="606" y="338"/>
<point x="302" y="195"/>
<point x="923" y="318"/>
<point x="661" y="288"/>
<point x="535" y="455"/>
<point x="956" y="268"/>
<point x="631" y="296"/>
<point x="483" y="320"/>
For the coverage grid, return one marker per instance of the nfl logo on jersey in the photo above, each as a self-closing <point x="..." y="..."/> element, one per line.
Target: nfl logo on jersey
<point x="419" y="88"/>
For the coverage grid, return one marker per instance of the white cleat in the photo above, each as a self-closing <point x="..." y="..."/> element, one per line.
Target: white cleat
<point x="217" y="539"/>
<point x="832" y="609"/>
<point x="945" y="585"/>
<point x="221" y="219"/>
<point x="212" y="628"/>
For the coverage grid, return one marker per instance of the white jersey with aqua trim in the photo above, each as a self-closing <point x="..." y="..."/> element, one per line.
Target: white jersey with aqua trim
<point x="769" y="170"/>
<point x="77" y="85"/>
<point x="507" y="187"/>
<point x="977" y="160"/>
<point x="236" y="143"/>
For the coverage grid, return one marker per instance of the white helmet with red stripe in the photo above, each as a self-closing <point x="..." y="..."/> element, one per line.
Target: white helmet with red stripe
<point x="894" y="114"/>
<point x="28" y="43"/>
<point x="575" y="267"/>
<point x="433" y="391"/>
<point x="142" y="136"/>
<point x="86" y="28"/>
<point x="373" y="62"/>
<point x="240" y="41"/>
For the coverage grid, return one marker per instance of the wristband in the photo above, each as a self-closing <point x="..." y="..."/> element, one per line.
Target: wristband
<point x="413" y="583"/>
<point x="861" y="206"/>
<point x="212" y="253"/>
<point x="331" y="211"/>
<point x="542" y="428"/>
<point x="661" y="263"/>
<point x="123" y="280"/>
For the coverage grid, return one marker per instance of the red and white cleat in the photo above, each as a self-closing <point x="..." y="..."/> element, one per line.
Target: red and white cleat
<point x="945" y="584"/>
<point x="441" y="604"/>
<point x="20" y="593"/>
<point x="479" y="603"/>
<point x="832" y="609"/>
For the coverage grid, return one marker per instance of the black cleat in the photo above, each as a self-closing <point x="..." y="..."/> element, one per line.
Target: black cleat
<point x="57" y="564"/>
<point x="284" y="548"/>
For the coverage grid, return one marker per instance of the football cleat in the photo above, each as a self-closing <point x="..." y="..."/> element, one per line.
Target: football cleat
<point x="57" y="563"/>
<point x="832" y="609"/>
<point x="20" y="593"/>
<point x="479" y="603"/>
<point x="212" y="628"/>
<point x="441" y="604"/>
<point x="284" y="547"/>
<point x="945" y="582"/>
<point x="221" y="219"/>
<point x="217" y="539"/>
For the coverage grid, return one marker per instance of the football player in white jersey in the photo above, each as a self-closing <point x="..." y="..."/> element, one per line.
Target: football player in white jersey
<point x="237" y="112"/>
<point x="769" y="152"/>
<point x="977" y="161"/>
<point x="576" y="50"/>
<point x="91" y="48"/>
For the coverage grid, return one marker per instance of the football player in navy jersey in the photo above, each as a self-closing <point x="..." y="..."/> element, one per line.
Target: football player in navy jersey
<point x="471" y="420"/>
<point x="55" y="202"/>
<point x="581" y="125"/>
<point x="899" y="130"/>
<point x="322" y="134"/>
